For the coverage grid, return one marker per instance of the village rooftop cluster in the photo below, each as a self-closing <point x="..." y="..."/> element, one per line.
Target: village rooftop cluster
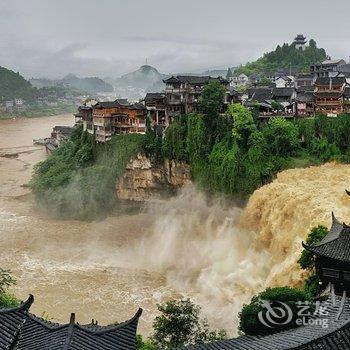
<point x="324" y="89"/>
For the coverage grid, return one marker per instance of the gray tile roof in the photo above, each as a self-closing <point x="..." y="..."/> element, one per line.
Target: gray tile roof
<point x="260" y="94"/>
<point x="305" y="96"/>
<point x="283" y="92"/>
<point x="20" y="330"/>
<point x="309" y="337"/>
<point x="193" y="79"/>
<point x="151" y="96"/>
<point x="336" y="244"/>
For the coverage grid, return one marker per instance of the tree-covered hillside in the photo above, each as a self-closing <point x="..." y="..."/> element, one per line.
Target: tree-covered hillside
<point x="285" y="56"/>
<point x="13" y="85"/>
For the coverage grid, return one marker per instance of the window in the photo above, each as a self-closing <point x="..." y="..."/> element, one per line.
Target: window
<point x="331" y="273"/>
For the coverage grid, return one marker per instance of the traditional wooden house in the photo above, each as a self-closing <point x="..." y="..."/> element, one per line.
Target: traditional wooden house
<point x="304" y="80"/>
<point x="61" y="133"/>
<point x="183" y="93"/>
<point x="305" y="102"/>
<point x="118" y="117"/>
<point x="155" y="103"/>
<point x="21" y="330"/>
<point x="327" y="68"/>
<point x="329" y="95"/>
<point x="84" y="116"/>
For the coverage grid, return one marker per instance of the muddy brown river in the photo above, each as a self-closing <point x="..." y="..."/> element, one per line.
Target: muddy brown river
<point x="69" y="266"/>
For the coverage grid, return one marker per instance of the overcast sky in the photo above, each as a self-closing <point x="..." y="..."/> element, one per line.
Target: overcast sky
<point x="50" y="38"/>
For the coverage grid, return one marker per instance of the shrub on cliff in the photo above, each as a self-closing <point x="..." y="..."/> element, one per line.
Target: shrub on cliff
<point x="78" y="180"/>
<point x="307" y="260"/>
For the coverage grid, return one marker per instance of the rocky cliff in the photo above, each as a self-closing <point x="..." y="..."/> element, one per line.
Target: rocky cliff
<point x="143" y="180"/>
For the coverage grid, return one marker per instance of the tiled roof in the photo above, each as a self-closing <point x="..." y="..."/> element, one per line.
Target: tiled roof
<point x="138" y="105"/>
<point x="66" y="130"/>
<point x="328" y="80"/>
<point x="309" y="337"/>
<point x="193" y="79"/>
<point x="336" y="244"/>
<point x="119" y="103"/>
<point x="20" y="330"/>
<point x="260" y="94"/>
<point x="333" y="62"/>
<point x="151" y="96"/>
<point x="305" y="96"/>
<point x="283" y="92"/>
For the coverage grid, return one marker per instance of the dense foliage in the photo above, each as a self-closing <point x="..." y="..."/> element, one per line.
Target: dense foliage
<point x="78" y="179"/>
<point x="307" y="260"/>
<point x="179" y="324"/>
<point x="7" y="300"/>
<point x="250" y="323"/>
<point x="285" y="56"/>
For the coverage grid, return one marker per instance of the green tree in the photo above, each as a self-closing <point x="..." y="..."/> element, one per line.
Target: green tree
<point x="243" y="124"/>
<point x="249" y="320"/>
<point x="307" y="260"/>
<point x="143" y="344"/>
<point x="7" y="300"/>
<point x="174" y="144"/>
<point x="211" y="102"/>
<point x="282" y="137"/>
<point x="180" y="325"/>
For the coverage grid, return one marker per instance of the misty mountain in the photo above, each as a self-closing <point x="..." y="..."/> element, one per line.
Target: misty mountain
<point x="136" y="84"/>
<point x="92" y="85"/>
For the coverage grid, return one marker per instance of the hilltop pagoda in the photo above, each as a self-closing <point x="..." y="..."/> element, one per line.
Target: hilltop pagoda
<point x="332" y="257"/>
<point x="300" y="42"/>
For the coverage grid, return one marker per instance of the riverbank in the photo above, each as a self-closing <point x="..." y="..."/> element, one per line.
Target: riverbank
<point x="38" y="112"/>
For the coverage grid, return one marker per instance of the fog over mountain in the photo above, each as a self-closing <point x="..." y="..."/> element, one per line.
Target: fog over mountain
<point x="113" y="37"/>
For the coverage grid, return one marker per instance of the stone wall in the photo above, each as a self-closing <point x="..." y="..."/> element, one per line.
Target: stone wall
<point x="143" y="180"/>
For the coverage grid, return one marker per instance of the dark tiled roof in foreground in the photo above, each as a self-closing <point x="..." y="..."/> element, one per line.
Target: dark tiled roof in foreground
<point x="20" y="330"/>
<point x="336" y="244"/>
<point x="311" y="337"/>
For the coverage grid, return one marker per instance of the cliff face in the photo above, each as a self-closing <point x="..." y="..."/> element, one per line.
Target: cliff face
<point x="143" y="180"/>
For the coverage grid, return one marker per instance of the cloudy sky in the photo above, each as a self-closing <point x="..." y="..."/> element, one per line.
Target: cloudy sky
<point x="51" y="38"/>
